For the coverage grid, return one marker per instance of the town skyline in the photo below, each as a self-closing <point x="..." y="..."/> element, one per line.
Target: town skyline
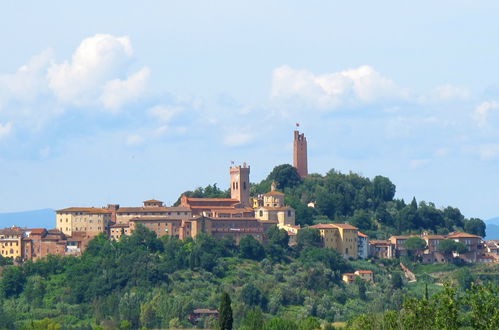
<point x="167" y="96"/>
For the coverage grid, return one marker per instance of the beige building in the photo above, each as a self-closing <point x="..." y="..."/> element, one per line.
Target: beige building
<point x="340" y="236"/>
<point x="272" y="208"/>
<point x="90" y="220"/>
<point x="151" y="208"/>
<point x="11" y="243"/>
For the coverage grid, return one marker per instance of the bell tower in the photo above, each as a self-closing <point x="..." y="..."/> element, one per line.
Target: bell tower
<point x="300" y="154"/>
<point x="240" y="184"/>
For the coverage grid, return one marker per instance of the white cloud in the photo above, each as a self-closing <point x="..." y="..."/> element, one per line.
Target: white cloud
<point x="488" y="151"/>
<point x="97" y="66"/>
<point x="446" y="93"/>
<point x="237" y="139"/>
<point x="165" y="113"/>
<point x="482" y="112"/>
<point x="5" y="130"/>
<point x="28" y="81"/>
<point x="360" y="85"/>
<point x="134" y="140"/>
<point x="118" y="92"/>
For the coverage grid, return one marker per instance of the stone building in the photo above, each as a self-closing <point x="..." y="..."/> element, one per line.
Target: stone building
<point x="300" y="161"/>
<point x="11" y="242"/>
<point x="340" y="236"/>
<point x="273" y="209"/>
<point x="90" y="220"/>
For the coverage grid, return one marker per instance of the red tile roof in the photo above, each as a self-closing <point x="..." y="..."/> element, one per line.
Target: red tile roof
<point x="462" y="235"/>
<point x="365" y="271"/>
<point x="93" y="210"/>
<point x="152" y="201"/>
<point x="362" y="235"/>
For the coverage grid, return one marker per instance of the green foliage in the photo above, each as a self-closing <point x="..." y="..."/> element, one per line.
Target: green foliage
<point x="285" y="175"/>
<point x="250" y="248"/>
<point x="448" y="246"/>
<point x="308" y="237"/>
<point x="225" y="313"/>
<point x="475" y="226"/>
<point x="210" y="191"/>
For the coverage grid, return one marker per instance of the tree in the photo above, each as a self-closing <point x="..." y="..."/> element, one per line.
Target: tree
<point x="250" y="248"/>
<point x="415" y="245"/>
<point x="448" y="246"/>
<point x="225" y="313"/>
<point x="285" y="175"/>
<point x="384" y="189"/>
<point x="308" y="237"/>
<point x="464" y="278"/>
<point x="396" y="280"/>
<point x="475" y="226"/>
<point x="252" y="296"/>
<point x="253" y="320"/>
<point x="278" y="236"/>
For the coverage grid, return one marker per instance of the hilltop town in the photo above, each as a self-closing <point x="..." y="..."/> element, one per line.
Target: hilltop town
<point x="233" y="217"/>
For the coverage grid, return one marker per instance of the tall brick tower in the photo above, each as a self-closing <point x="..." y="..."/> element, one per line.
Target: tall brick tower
<point x="240" y="184"/>
<point x="300" y="154"/>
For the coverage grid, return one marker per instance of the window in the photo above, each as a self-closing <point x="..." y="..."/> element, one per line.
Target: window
<point x="244" y="185"/>
<point x="261" y="213"/>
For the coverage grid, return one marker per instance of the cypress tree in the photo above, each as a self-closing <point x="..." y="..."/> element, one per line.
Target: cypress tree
<point x="225" y="313"/>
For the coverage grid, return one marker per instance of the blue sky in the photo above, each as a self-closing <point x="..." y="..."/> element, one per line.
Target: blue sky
<point x="117" y="103"/>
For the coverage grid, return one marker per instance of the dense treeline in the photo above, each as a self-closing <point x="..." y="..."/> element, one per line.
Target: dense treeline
<point x="367" y="204"/>
<point x="145" y="281"/>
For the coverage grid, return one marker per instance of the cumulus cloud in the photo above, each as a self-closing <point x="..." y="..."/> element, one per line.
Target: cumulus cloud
<point x="117" y="93"/>
<point x="482" y="112"/>
<point x="360" y="85"/>
<point x="5" y="130"/>
<point x="94" y="74"/>
<point x="27" y="82"/>
<point x="165" y="113"/>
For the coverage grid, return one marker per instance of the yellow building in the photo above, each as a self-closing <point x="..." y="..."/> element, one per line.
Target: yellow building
<point x="339" y="236"/>
<point x="90" y="220"/>
<point x="11" y="243"/>
<point x="272" y="207"/>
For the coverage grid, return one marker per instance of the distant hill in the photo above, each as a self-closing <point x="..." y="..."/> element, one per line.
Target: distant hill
<point x="44" y="218"/>
<point x="492" y="230"/>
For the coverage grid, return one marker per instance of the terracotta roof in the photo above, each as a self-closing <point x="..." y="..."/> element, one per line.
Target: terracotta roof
<point x="153" y="201"/>
<point x="400" y="237"/>
<point x="94" y="210"/>
<point x="323" y="226"/>
<point x="364" y="271"/>
<point x="362" y="235"/>
<point x="290" y="233"/>
<point x="486" y="257"/>
<point x="9" y="231"/>
<point x="462" y="235"/>
<point x="37" y="231"/>
<point x="278" y="193"/>
<point x="433" y="237"/>
<point x="157" y="209"/>
<point x="345" y="226"/>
